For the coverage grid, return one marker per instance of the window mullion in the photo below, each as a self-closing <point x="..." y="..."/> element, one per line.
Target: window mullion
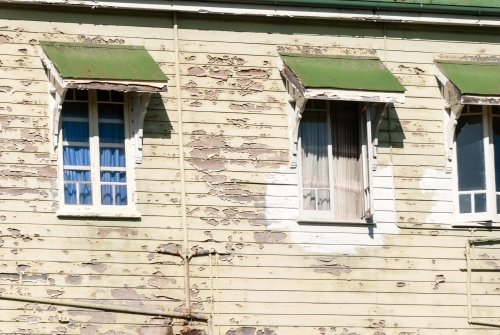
<point x="94" y="149"/>
<point x="330" y="156"/>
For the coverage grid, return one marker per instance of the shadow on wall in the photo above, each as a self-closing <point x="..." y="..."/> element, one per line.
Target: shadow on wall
<point x="157" y="123"/>
<point x="392" y="131"/>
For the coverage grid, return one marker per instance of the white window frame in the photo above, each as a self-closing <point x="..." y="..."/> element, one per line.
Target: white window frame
<point x="490" y="216"/>
<point x="315" y="216"/>
<point x="97" y="209"/>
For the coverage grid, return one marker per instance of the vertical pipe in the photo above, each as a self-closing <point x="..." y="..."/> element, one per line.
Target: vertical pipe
<point x="469" y="304"/>
<point x="385" y="46"/>
<point x="181" y="161"/>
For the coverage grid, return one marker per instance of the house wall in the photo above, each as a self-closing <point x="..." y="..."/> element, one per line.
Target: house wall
<point x="403" y="275"/>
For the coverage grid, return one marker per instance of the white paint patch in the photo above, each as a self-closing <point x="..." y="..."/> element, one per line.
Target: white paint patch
<point x="331" y="239"/>
<point x="439" y="184"/>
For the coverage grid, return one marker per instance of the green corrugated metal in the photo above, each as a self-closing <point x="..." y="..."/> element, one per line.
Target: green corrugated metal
<point x="477" y="78"/>
<point x="469" y="3"/>
<point x="111" y="62"/>
<point x="476" y="7"/>
<point x="342" y="72"/>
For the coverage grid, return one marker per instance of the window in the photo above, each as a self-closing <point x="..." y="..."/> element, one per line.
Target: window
<point x="95" y="154"/>
<point x="334" y="183"/>
<point x="477" y="148"/>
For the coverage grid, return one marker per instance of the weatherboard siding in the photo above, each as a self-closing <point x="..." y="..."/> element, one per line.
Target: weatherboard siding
<point x="402" y="276"/>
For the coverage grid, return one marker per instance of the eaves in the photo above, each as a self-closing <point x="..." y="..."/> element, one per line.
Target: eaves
<point x="489" y="18"/>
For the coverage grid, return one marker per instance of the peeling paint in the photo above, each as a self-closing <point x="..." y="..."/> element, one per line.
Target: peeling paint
<point x="335" y="269"/>
<point x="96" y="266"/>
<point x="125" y="232"/>
<point x="73" y="280"/>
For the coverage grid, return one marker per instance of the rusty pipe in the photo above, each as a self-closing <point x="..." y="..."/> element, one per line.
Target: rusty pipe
<point x="119" y="309"/>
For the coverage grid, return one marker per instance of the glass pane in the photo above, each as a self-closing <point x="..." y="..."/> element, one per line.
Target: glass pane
<point x="107" y="194"/>
<point x="465" y="203"/>
<point x="314" y="150"/>
<point x="496" y="151"/>
<point x="85" y="194"/>
<point x="121" y="195"/>
<point x="309" y="197"/>
<point x="79" y="156"/>
<point x="117" y="96"/>
<point x="323" y="200"/>
<point x="75" y="131"/>
<point x="81" y="95"/>
<point x="75" y="109"/>
<point x="76" y="175"/>
<point x="480" y="202"/>
<point x="102" y="95"/>
<point x="495" y="109"/>
<point x="113" y="177"/>
<point x="470" y="153"/>
<point x="111" y="133"/>
<point x="110" y="111"/>
<point x="112" y="157"/>
<point x="475" y="108"/>
<point x="498" y="203"/>
<point x="70" y="194"/>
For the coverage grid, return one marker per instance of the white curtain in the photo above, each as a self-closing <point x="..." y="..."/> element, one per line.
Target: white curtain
<point x="314" y="161"/>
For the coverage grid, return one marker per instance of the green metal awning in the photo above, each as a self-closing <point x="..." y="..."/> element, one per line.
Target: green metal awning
<point x="342" y="73"/>
<point x="472" y="78"/>
<point x="83" y="63"/>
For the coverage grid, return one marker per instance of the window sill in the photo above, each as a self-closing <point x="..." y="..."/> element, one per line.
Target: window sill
<point x="102" y="213"/>
<point x="334" y="221"/>
<point x="476" y="224"/>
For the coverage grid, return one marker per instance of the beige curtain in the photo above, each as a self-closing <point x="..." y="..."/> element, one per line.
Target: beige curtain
<point x="347" y="162"/>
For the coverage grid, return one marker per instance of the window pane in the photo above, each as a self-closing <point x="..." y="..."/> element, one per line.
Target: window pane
<point x="75" y="109"/>
<point x="113" y="177"/>
<point x="309" y="199"/>
<point x="465" y="203"/>
<point x="76" y="175"/>
<point x="73" y="155"/>
<point x="81" y="95"/>
<point x="102" y="95"/>
<point x="117" y="96"/>
<point x="498" y="203"/>
<point x="470" y="153"/>
<point x="75" y="131"/>
<point x="314" y="150"/>
<point x="475" y="108"/>
<point x="323" y="200"/>
<point x="496" y="150"/>
<point x="113" y="157"/>
<point x="110" y="111"/>
<point x="111" y="133"/>
<point x="85" y="194"/>
<point x="107" y="194"/>
<point x="70" y="194"/>
<point x="480" y="202"/>
<point x="121" y="195"/>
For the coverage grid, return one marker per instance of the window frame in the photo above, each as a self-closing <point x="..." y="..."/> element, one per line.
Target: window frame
<point x="315" y="216"/>
<point x="97" y="209"/>
<point x="490" y="216"/>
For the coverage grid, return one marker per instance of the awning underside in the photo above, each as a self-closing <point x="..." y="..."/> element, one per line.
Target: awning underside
<point x="472" y="78"/>
<point x="89" y="63"/>
<point x="342" y="73"/>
